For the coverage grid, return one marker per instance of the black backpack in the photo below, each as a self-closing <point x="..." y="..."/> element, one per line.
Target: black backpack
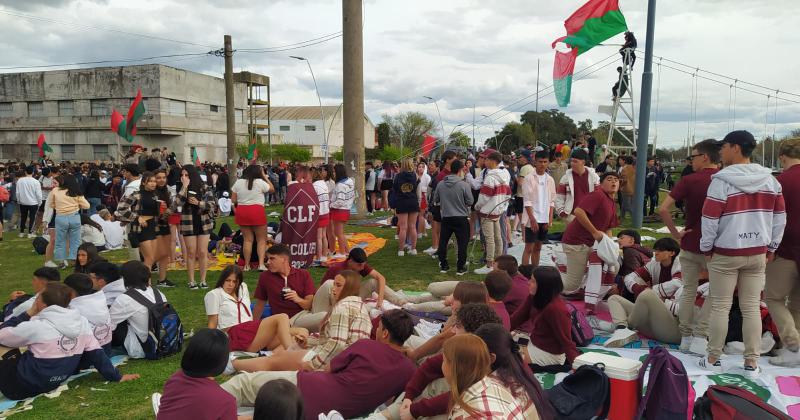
<point x="582" y="394"/>
<point x="40" y="245"/>
<point x="164" y="328"/>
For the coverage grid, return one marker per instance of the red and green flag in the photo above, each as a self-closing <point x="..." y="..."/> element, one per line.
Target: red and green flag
<point x="43" y="146"/>
<point x="252" y="150"/>
<point x="595" y="22"/>
<point x="119" y="126"/>
<point x="195" y="158"/>
<point x="135" y="113"/>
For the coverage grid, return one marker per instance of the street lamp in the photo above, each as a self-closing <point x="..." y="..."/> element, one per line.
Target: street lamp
<point x="321" y="112"/>
<point x="453" y="130"/>
<point x="500" y="146"/>
<point x="441" y="123"/>
<point x="491" y="121"/>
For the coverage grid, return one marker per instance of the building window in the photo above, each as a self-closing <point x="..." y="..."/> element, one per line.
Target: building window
<point x="100" y="152"/>
<point x="284" y="128"/>
<point x="66" y="108"/>
<point x="176" y="108"/>
<point x="36" y="109"/>
<point x="213" y="108"/>
<point x="6" y="109"/>
<point x="311" y="128"/>
<point x="67" y="151"/>
<point x="99" y="108"/>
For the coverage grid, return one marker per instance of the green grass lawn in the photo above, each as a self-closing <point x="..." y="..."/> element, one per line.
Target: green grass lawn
<point x="131" y="400"/>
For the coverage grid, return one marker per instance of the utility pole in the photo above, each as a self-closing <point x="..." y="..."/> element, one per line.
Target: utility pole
<point x="644" y="118"/>
<point x="536" y="116"/>
<point x="353" y="86"/>
<point x="229" y="110"/>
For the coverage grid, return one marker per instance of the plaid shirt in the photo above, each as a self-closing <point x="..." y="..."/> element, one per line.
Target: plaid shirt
<point x="208" y="210"/>
<point x="492" y="400"/>
<point x="349" y="322"/>
<point x="128" y="212"/>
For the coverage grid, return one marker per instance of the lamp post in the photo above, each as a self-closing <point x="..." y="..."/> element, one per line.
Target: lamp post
<point x="491" y="121"/>
<point x="321" y="112"/>
<point x="500" y="146"/>
<point x="441" y="123"/>
<point x="452" y="131"/>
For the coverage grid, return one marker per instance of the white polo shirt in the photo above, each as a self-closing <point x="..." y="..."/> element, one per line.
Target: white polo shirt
<point x="229" y="311"/>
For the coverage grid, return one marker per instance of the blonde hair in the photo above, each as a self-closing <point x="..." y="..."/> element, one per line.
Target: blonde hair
<point x="407" y="165"/>
<point x="790" y="148"/>
<point x="469" y="361"/>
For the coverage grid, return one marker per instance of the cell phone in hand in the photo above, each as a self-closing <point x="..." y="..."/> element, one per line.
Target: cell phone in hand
<point x="522" y="341"/>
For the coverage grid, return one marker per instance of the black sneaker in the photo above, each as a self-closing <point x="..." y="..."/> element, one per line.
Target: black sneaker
<point x="166" y="283"/>
<point x="193" y="286"/>
<point x="461" y="271"/>
<point x="203" y="285"/>
<point x="443" y="268"/>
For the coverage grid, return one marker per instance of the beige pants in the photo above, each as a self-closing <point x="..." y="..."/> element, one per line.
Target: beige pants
<point x="433" y="389"/>
<point x="782" y="294"/>
<point x="691" y="266"/>
<point x="493" y="241"/>
<point x="577" y="258"/>
<point x="244" y="386"/>
<point x="543" y="358"/>
<point x="726" y="274"/>
<point x="648" y="315"/>
<point x="438" y="290"/>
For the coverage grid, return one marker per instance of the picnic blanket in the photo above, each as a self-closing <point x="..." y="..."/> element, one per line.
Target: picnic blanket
<point x="369" y="242"/>
<point x="8" y="407"/>
<point x="776" y="385"/>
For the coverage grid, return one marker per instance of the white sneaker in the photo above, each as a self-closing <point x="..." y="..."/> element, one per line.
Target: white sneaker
<point x="705" y="364"/>
<point x="600" y="325"/>
<point x="621" y="337"/>
<point x="686" y="342"/>
<point x="229" y="369"/>
<point x="767" y="342"/>
<point x="752" y="372"/>
<point x="699" y="346"/>
<point x="483" y="270"/>
<point x="155" y="399"/>
<point x="336" y="256"/>
<point x="22" y="234"/>
<point x="51" y="264"/>
<point x="430" y="251"/>
<point x="786" y="358"/>
<point x="323" y="258"/>
<point x="396" y="237"/>
<point x="401" y="253"/>
<point x="412" y="252"/>
<point x="31" y="235"/>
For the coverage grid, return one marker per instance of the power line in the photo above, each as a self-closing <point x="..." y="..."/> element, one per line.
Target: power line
<point x="289" y="48"/>
<point x="121" y="60"/>
<point x="329" y="36"/>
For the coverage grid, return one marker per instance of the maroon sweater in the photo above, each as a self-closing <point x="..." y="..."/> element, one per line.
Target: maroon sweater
<point x="551" y="326"/>
<point x="790" y="245"/>
<point x="429" y="371"/>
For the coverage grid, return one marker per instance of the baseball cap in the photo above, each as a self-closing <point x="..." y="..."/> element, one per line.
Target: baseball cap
<point x="741" y="137"/>
<point x="525" y="153"/>
<point x="486" y="152"/>
<point x="225" y="194"/>
<point x="580" y="154"/>
<point x="565" y="142"/>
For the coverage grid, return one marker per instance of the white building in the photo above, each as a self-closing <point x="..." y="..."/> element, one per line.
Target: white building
<point x="302" y="125"/>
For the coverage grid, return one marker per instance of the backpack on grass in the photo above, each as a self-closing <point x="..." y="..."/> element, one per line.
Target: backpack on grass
<point x="583" y="394"/>
<point x="734" y="403"/>
<point x="164" y="328"/>
<point x="669" y="394"/>
<point x="580" y="329"/>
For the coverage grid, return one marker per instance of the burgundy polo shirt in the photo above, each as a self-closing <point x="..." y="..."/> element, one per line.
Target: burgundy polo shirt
<point x="337" y="268"/>
<point x="602" y="212"/>
<point x="270" y="285"/>
<point x="580" y="187"/>
<point x="790" y="244"/>
<point x="692" y="189"/>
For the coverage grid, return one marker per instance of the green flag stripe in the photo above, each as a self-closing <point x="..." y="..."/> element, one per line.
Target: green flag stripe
<point x="563" y="90"/>
<point x="122" y="133"/>
<point x="597" y="30"/>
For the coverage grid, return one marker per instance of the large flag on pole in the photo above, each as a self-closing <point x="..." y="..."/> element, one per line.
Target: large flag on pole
<point x="119" y="126"/>
<point x="252" y="150"/>
<point x="595" y="22"/>
<point x="428" y="144"/>
<point x="135" y="113"/>
<point x="195" y="158"/>
<point x="43" y="146"/>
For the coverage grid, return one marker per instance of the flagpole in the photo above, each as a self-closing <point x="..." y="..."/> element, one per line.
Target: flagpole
<point x="644" y="118"/>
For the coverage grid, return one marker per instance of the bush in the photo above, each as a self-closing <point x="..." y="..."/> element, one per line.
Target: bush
<point x="390" y="153"/>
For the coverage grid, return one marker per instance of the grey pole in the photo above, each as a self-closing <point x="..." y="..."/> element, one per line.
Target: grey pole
<point x="441" y="122"/>
<point x="353" y="91"/>
<point x="644" y="117"/>
<point x="230" y="119"/>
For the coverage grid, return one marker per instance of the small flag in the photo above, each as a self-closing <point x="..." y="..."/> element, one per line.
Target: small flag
<point x="135" y="113"/>
<point x="252" y="150"/>
<point x="118" y="125"/>
<point x="427" y="144"/>
<point x="43" y="146"/>
<point x="195" y="158"/>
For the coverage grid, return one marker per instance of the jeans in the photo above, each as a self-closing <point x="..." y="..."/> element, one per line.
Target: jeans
<point x="459" y="226"/>
<point x="627" y="205"/>
<point x="653" y="199"/>
<point x="68" y="229"/>
<point x="93" y="203"/>
<point x="27" y="216"/>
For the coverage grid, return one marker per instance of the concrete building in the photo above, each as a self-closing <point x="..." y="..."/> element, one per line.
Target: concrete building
<point x="302" y="125"/>
<point x="185" y="110"/>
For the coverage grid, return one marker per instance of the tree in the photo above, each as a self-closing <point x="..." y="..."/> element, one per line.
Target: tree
<point x="338" y="156"/>
<point x="458" y="138"/>
<point x="407" y="129"/>
<point x="292" y="153"/>
<point x="513" y="136"/>
<point x="551" y="126"/>
<point x="585" y="126"/>
<point x="390" y="153"/>
<point x="382" y="134"/>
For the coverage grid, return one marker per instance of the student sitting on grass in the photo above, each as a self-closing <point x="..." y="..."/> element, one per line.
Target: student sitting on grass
<point x="279" y="399"/>
<point x="126" y="310"/>
<point x="191" y="392"/>
<point x="551" y="340"/>
<point x="228" y="309"/>
<point x="380" y="363"/>
<point x="86" y="257"/>
<point x="498" y="284"/>
<point x="347" y="323"/>
<point x="519" y="282"/>
<point x="48" y="329"/>
<point x="427" y="393"/>
<point x="92" y="305"/>
<point x="19" y="301"/>
<point x="106" y="278"/>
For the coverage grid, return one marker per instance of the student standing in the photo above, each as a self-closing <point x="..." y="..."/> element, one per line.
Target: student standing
<point x="249" y="196"/>
<point x="454" y="197"/>
<point x="743" y="220"/>
<point x="197" y="207"/>
<point x="692" y="190"/>
<point x="68" y="201"/>
<point x="576" y="184"/>
<point x="343" y="196"/>
<point x="539" y="194"/>
<point x="29" y="197"/>
<point x="323" y="196"/>
<point x="493" y="201"/>
<point x="404" y="200"/>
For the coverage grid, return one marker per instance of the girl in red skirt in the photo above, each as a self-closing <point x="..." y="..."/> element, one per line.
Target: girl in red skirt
<point x="249" y="194"/>
<point x="343" y="196"/>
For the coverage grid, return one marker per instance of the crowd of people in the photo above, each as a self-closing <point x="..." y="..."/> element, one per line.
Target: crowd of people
<point x="461" y="349"/>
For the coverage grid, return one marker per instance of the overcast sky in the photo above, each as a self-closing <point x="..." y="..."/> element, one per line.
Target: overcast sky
<point x="465" y="53"/>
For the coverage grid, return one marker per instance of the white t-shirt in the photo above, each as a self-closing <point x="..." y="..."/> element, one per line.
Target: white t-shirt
<point x="114" y="233"/>
<point x="92" y="235"/>
<point x="224" y="204"/>
<point x="229" y="311"/>
<point x="323" y="195"/>
<point x="541" y="207"/>
<point x="127" y="309"/>
<point x="255" y="196"/>
<point x="422" y="187"/>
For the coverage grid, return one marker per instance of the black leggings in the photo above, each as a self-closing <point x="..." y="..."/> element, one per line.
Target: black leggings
<point x="27" y="213"/>
<point x="460" y="227"/>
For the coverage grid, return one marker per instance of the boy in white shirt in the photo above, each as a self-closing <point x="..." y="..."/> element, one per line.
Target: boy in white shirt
<point x="225" y="204"/>
<point x="538" y="197"/>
